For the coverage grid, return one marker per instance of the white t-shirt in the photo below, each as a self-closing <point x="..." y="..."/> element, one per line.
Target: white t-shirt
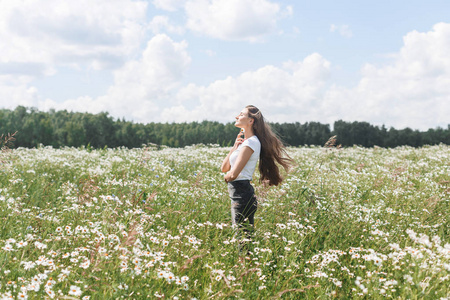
<point x="249" y="168"/>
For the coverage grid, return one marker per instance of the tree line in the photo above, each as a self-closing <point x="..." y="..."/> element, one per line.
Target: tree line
<point x="73" y="129"/>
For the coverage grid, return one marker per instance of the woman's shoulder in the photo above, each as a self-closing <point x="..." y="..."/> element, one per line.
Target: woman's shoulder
<point x="254" y="139"/>
<point x="253" y="142"/>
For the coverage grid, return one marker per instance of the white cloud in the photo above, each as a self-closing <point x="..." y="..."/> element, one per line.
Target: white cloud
<point x="16" y="90"/>
<point x="343" y="30"/>
<point x="283" y="93"/>
<point x="412" y="91"/>
<point x="162" y="66"/>
<point x="169" y="5"/>
<point x="55" y="32"/>
<point x="141" y="86"/>
<point x="160" y="24"/>
<point x="248" y="20"/>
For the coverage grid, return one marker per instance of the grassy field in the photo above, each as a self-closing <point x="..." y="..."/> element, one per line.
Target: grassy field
<point x="134" y="224"/>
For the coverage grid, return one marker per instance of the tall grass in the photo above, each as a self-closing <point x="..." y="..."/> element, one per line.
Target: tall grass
<point x="6" y="142"/>
<point x="115" y="223"/>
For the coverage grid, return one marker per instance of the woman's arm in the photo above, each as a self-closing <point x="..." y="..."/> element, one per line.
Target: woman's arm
<point x="241" y="161"/>
<point x="226" y="162"/>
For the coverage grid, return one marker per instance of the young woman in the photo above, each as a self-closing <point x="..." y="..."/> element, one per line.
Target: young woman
<point x="259" y="142"/>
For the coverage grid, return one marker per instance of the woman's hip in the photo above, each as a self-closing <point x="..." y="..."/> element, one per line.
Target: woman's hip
<point x="241" y="190"/>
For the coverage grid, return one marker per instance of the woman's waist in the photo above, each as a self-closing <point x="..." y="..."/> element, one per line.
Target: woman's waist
<point x="240" y="182"/>
<point x="240" y="187"/>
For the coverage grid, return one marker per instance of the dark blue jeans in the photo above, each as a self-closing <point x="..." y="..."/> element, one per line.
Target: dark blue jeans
<point x="243" y="205"/>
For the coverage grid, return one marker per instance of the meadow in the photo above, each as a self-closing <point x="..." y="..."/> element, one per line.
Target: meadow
<point x="350" y="223"/>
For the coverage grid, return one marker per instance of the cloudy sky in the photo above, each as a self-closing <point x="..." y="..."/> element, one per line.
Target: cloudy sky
<point x="384" y="62"/>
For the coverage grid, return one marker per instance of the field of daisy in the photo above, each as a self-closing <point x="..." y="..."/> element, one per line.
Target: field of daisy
<point x="151" y="223"/>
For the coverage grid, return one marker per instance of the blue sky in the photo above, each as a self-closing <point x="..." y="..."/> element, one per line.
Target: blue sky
<point x="384" y="62"/>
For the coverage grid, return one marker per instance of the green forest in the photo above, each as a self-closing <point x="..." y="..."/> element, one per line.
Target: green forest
<point x="73" y="129"/>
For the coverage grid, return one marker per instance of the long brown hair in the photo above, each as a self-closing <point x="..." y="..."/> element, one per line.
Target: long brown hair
<point x="272" y="149"/>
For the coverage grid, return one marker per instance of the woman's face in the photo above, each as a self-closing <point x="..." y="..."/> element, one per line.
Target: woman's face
<point x="243" y="120"/>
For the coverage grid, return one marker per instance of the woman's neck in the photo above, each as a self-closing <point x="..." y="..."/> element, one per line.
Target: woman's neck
<point x="248" y="133"/>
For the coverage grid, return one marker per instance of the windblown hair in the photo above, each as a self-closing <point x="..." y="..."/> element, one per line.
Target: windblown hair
<point x="273" y="151"/>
